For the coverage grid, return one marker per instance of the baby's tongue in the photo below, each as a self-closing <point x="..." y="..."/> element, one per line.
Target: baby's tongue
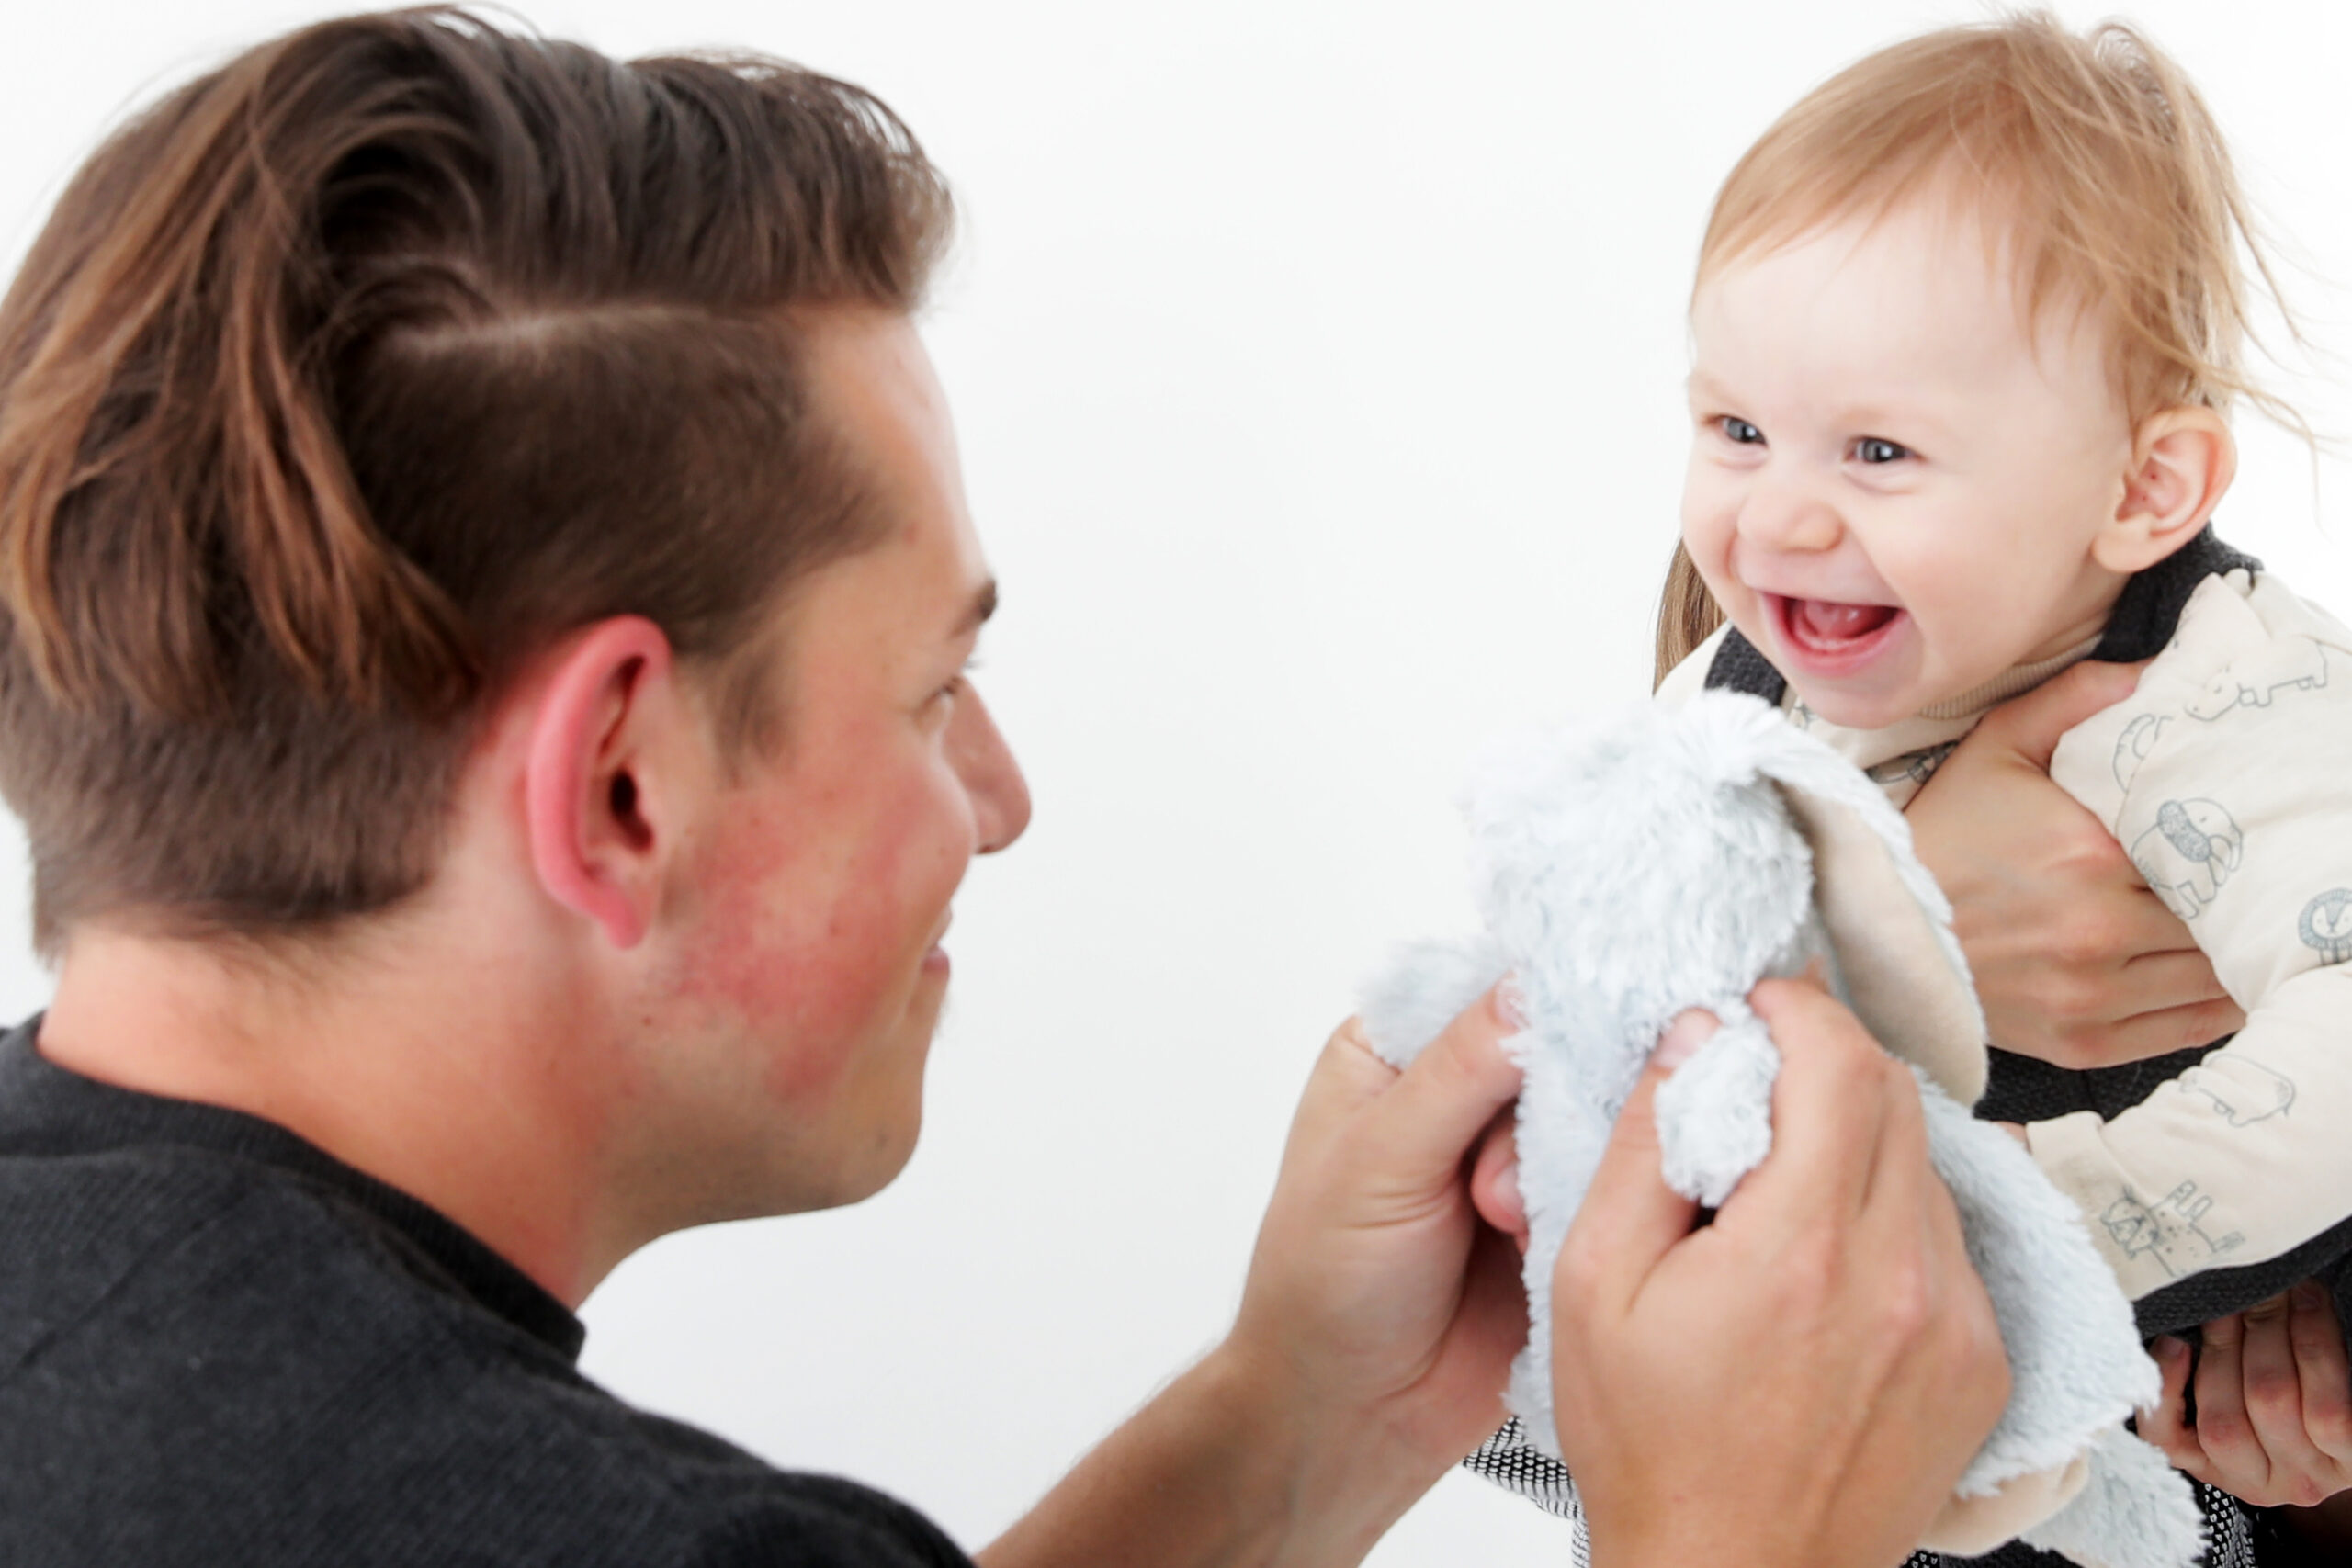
<point x="1825" y="622"/>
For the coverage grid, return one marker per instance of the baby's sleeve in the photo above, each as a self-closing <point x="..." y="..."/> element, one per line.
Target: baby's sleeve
<point x="2222" y="777"/>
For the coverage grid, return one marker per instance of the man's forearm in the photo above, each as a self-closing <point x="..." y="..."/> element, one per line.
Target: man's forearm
<point x="1215" y="1473"/>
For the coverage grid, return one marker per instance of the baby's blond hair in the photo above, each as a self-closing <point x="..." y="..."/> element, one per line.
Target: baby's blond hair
<point x="2089" y="163"/>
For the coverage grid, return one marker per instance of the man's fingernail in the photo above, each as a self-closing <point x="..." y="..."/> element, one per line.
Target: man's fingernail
<point x="1681" y="1040"/>
<point x="2167" y="1349"/>
<point x="1507" y="1187"/>
<point x="2309" y="1296"/>
<point x="1504" y="999"/>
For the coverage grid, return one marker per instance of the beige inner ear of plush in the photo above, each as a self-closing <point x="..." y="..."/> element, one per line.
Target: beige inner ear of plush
<point x="1971" y="1526"/>
<point x="1899" y="982"/>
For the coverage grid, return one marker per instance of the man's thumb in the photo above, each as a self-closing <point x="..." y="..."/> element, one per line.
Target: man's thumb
<point x="2030" y="725"/>
<point x="1630" y="1218"/>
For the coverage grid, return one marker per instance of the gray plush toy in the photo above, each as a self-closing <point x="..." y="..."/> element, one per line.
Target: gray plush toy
<point x="1633" y="867"/>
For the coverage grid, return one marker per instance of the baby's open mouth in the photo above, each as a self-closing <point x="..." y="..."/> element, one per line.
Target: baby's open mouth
<point x="1825" y="626"/>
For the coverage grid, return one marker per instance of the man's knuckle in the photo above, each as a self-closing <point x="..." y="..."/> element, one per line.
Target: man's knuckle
<point x="2272" y="1394"/>
<point x="2299" y="1491"/>
<point x="1906" y="1306"/>
<point x="2089" y="937"/>
<point x="2076" y="999"/>
<point x="2081" y="848"/>
<point x="2207" y="1022"/>
<point x="2330" y="1426"/>
<point x="2219" y="1429"/>
<point x="1576" y="1273"/>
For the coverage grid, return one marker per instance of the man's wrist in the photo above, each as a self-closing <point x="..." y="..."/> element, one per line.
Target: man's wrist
<point x="1230" y="1466"/>
<point x="1330" y="1477"/>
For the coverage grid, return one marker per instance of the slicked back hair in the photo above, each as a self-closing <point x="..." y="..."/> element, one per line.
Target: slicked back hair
<point x="356" y="372"/>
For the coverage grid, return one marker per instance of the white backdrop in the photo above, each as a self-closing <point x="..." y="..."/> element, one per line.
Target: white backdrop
<point x="1318" y="367"/>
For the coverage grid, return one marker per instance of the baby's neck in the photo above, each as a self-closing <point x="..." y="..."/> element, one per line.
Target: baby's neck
<point x="2018" y="679"/>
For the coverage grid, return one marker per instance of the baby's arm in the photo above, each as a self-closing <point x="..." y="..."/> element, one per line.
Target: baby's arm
<point x="2220" y="778"/>
<point x="2236" y="1161"/>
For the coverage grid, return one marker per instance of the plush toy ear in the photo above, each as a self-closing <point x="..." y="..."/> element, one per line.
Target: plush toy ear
<point x="1889" y="927"/>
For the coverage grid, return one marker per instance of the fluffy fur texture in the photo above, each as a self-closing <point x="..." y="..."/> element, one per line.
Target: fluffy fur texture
<point x="1657" y="860"/>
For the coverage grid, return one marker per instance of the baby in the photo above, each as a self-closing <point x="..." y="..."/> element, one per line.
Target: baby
<point x="1966" y="329"/>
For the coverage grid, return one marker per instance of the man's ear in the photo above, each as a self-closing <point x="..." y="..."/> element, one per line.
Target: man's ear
<point x="2182" y="461"/>
<point x="599" y="813"/>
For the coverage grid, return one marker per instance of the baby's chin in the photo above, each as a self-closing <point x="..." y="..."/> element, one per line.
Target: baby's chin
<point x="1893" y="684"/>
<point x="1856" y="710"/>
<point x="1857" y="707"/>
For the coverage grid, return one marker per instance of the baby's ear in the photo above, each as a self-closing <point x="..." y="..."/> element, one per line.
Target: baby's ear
<point x="2182" y="461"/>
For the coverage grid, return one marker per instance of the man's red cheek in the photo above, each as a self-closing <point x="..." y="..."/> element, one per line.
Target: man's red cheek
<point x="735" y="961"/>
<point x="808" y="980"/>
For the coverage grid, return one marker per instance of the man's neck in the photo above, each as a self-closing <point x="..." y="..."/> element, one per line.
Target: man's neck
<point x="402" y="1052"/>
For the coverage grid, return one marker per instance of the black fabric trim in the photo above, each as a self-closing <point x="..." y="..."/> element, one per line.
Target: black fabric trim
<point x="2020" y="1088"/>
<point x="45" y="1110"/>
<point x="2182" y="1307"/>
<point x="2145" y="617"/>
<point x="1740" y="666"/>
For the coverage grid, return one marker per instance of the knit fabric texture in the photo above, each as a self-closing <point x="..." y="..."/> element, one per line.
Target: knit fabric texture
<point x="220" y="1347"/>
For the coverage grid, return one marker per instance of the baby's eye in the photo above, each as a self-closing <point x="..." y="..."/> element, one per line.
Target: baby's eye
<point x="1871" y="449"/>
<point x="1738" y="430"/>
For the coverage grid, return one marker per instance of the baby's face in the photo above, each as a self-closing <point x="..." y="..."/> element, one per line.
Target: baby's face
<point x="1896" y="479"/>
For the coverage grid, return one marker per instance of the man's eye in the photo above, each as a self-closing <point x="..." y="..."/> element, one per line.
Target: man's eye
<point x="961" y="683"/>
<point x="1871" y="449"/>
<point x="1738" y="430"/>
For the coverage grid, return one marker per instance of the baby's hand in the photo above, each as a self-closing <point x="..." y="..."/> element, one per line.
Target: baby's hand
<point x="2274" y="1401"/>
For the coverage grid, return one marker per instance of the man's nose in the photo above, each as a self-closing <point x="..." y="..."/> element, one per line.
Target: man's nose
<point x="1785" y="511"/>
<point x="999" y="793"/>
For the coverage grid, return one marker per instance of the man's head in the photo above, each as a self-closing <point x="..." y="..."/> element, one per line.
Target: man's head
<point x="358" y="372"/>
<point x="487" y="585"/>
<point x="772" y="928"/>
<point x="2065" y="201"/>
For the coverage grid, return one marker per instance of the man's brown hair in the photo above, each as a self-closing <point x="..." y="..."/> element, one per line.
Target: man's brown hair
<point x="361" y="368"/>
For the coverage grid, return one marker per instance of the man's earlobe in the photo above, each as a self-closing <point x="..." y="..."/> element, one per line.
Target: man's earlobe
<point x="593" y="809"/>
<point x="2182" y="461"/>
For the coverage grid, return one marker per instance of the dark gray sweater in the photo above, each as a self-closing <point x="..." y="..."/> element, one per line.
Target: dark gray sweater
<point x="219" y="1346"/>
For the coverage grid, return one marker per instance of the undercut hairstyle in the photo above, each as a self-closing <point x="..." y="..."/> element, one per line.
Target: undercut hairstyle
<point x="2088" y="163"/>
<point x="345" y="378"/>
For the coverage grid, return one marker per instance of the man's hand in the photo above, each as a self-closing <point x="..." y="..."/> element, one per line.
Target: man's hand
<point x="2274" y="1401"/>
<point x="1376" y="1333"/>
<point x="1377" y="1301"/>
<point x="1799" y="1383"/>
<point x="2076" y="962"/>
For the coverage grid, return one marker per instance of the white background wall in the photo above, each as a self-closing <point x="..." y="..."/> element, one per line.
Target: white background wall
<point x="1318" y="366"/>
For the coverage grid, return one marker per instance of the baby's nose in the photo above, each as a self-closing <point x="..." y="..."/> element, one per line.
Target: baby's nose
<point x="1783" y="513"/>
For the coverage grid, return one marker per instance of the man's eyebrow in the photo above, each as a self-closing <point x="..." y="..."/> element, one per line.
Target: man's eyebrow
<point x="975" y="614"/>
